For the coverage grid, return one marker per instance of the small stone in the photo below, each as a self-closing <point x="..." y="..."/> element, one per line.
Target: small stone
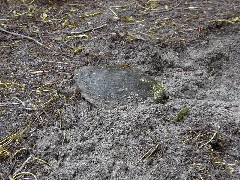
<point x="117" y="84"/>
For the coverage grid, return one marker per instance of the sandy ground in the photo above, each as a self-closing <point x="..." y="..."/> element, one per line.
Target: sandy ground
<point x="195" y="53"/>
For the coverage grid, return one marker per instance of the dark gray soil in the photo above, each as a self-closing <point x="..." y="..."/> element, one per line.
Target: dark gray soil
<point x="193" y="47"/>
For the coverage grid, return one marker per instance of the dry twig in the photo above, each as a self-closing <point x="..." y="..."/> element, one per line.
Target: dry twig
<point x="25" y="37"/>
<point x="8" y="104"/>
<point x="149" y="153"/>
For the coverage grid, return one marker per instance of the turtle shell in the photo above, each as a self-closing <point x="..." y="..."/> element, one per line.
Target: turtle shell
<point x="104" y="84"/>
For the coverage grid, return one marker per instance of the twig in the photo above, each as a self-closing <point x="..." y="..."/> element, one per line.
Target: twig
<point x="25" y="37"/>
<point x="57" y="62"/>
<point x="88" y="30"/>
<point x="8" y="103"/>
<point x="149" y="153"/>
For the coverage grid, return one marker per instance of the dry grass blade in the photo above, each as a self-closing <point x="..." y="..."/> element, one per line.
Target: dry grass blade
<point x="149" y="153"/>
<point x="43" y="161"/>
<point x="22" y="166"/>
<point x="11" y="138"/>
<point x="214" y="135"/>
<point x="16" y="176"/>
<point x="19" y="172"/>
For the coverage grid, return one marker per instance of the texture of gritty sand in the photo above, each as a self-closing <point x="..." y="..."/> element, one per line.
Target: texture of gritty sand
<point x="192" y="46"/>
<point x="102" y="143"/>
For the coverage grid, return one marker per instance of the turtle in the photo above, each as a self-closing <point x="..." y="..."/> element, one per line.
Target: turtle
<point x="117" y="84"/>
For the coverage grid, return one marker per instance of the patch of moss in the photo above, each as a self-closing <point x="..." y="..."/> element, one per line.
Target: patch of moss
<point x="181" y="114"/>
<point x="159" y="93"/>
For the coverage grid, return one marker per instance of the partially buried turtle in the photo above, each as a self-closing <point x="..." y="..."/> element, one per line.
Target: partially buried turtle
<point x="117" y="84"/>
